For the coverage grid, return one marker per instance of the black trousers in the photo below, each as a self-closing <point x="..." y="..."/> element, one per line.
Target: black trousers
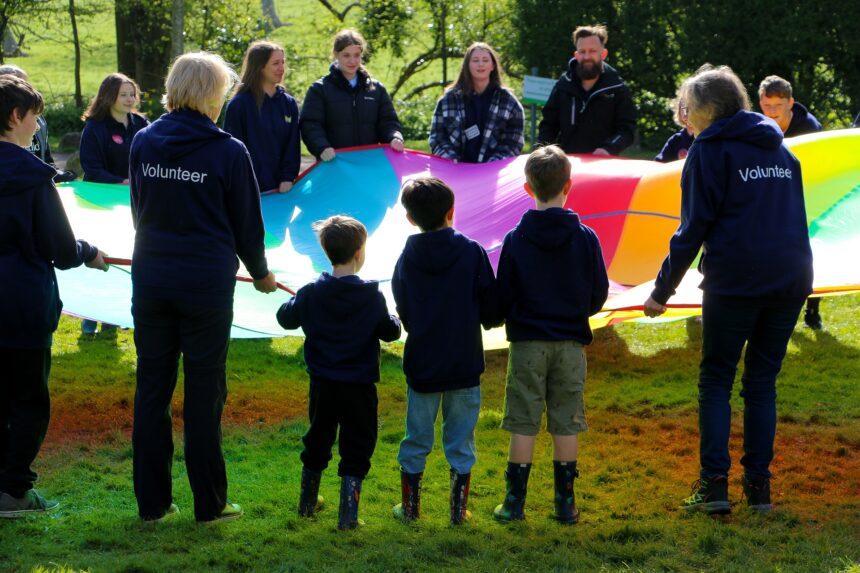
<point x="352" y="407"/>
<point x="25" y="409"/>
<point x="162" y="330"/>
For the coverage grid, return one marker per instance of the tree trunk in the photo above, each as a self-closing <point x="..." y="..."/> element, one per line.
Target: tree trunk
<point x="124" y="45"/>
<point x="141" y="52"/>
<point x="270" y="12"/>
<point x="79" y="97"/>
<point x="177" y="27"/>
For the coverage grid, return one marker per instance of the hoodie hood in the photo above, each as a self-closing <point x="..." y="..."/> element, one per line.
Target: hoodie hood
<point x="434" y="252"/>
<point x="747" y="126"/>
<point x="549" y="229"/>
<point x="182" y="132"/>
<point x="342" y="295"/>
<point x="21" y="170"/>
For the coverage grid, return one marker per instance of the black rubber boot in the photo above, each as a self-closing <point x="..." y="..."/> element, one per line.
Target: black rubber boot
<point x="410" y="493"/>
<point x="517" y="480"/>
<point x="460" y="497"/>
<point x="565" y="500"/>
<point x="310" y="501"/>
<point x="350" y="495"/>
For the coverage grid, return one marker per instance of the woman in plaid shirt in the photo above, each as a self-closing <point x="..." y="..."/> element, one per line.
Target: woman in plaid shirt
<point x="478" y="119"/>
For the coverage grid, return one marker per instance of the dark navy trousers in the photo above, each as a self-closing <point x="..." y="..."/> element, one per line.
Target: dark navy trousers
<point x="347" y="412"/>
<point x="729" y="324"/>
<point x="164" y="329"/>
<point x="25" y="409"/>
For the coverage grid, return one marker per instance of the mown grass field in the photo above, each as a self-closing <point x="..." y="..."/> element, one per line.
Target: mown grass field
<point x="637" y="462"/>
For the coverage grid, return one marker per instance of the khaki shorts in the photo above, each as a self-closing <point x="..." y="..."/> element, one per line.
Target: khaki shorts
<point x="547" y="374"/>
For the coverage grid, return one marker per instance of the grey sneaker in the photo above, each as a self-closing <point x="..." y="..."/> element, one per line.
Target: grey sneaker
<point x="230" y="512"/>
<point x="171" y="511"/>
<point x="32" y="502"/>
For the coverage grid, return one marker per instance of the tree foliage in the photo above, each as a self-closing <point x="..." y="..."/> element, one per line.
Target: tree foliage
<point x="22" y="17"/>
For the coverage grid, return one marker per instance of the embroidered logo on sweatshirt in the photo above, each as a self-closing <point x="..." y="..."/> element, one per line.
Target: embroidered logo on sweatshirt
<point x="288" y="119"/>
<point x="175" y="173"/>
<point x="117" y="138"/>
<point x="759" y="172"/>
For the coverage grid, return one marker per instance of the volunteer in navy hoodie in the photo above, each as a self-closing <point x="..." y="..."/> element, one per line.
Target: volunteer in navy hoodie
<point x="444" y="288"/>
<point x="551" y="277"/>
<point x="195" y="207"/>
<point x="742" y="204"/>
<point x="343" y="319"/>
<point x="270" y="132"/>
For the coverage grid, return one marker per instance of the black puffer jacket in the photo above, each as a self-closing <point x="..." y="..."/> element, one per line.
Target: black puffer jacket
<point x="580" y="121"/>
<point x="335" y="114"/>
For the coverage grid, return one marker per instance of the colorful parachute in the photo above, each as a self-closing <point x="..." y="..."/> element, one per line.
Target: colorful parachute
<point x="632" y="205"/>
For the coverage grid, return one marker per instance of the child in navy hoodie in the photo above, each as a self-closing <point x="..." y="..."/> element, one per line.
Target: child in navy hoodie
<point x="35" y="238"/>
<point x="443" y="285"/>
<point x="551" y="279"/>
<point x="343" y="318"/>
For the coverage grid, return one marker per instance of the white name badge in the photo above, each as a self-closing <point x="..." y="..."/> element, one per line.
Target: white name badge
<point x="472" y="132"/>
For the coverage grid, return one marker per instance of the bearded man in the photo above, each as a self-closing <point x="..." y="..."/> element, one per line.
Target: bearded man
<point x="590" y="109"/>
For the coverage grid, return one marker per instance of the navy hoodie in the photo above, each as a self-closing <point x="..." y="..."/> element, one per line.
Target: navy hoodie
<point x="343" y="318"/>
<point x="270" y="132"/>
<point x="105" y="146"/>
<point x="195" y="205"/>
<point x="551" y="277"/>
<point x="443" y="285"/>
<point x="35" y="237"/>
<point x="742" y="204"/>
<point x="676" y="147"/>
<point x="802" y="121"/>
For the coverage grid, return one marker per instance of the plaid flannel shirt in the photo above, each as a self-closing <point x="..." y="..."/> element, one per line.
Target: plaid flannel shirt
<point x="503" y="134"/>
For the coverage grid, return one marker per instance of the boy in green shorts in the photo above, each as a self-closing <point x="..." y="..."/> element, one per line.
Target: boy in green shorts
<point x="551" y="278"/>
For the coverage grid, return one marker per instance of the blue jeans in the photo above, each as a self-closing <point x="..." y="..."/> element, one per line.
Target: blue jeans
<point x="460" y="409"/>
<point x="727" y="324"/>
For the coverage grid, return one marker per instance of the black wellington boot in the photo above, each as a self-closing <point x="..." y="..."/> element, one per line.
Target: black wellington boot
<point x="517" y="480"/>
<point x="350" y="495"/>
<point x="565" y="500"/>
<point x="310" y="501"/>
<point x="460" y="497"/>
<point x="410" y="493"/>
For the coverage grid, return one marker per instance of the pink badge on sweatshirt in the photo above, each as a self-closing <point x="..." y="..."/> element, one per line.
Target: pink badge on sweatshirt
<point x="117" y="139"/>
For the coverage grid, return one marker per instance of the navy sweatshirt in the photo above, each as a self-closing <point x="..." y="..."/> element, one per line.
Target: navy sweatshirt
<point x="802" y="121"/>
<point x="443" y="286"/>
<point x="195" y="205"/>
<point x="551" y="277"/>
<point x="676" y="147"/>
<point x="105" y="145"/>
<point x="742" y="204"/>
<point x="343" y="319"/>
<point x="271" y="134"/>
<point x="35" y="237"/>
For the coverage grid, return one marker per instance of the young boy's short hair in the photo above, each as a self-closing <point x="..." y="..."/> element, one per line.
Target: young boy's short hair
<point x="775" y="86"/>
<point x="16" y="94"/>
<point x="341" y="237"/>
<point x="427" y="200"/>
<point x="547" y="171"/>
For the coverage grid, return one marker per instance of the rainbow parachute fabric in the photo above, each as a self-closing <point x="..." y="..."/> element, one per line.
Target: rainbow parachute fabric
<point x="632" y="205"/>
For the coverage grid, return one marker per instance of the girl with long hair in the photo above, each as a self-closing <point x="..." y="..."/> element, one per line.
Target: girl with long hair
<point x="347" y="107"/>
<point x="266" y="118"/>
<point x="478" y="119"/>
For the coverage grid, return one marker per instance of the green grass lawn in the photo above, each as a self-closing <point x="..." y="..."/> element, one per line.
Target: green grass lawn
<point x="637" y="462"/>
